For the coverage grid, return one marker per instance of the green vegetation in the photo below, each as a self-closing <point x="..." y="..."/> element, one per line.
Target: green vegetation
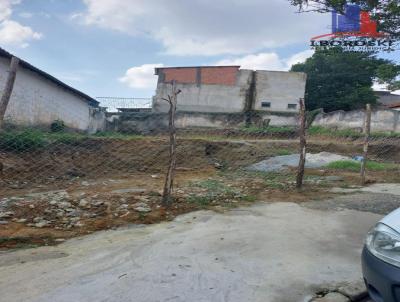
<point x="23" y="140"/>
<point x="387" y="12"/>
<point x="345" y="133"/>
<point x="200" y="199"/>
<point x="340" y="80"/>
<point x="352" y="165"/>
<point x="281" y="152"/>
<point x="57" y="126"/>
<point x="215" y="191"/>
<point x="348" y="133"/>
<point x="29" y="139"/>
<point x="276" y="180"/>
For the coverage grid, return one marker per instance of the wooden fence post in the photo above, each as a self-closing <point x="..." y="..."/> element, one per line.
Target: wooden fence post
<point x="303" y="143"/>
<point x="5" y="98"/>
<point x="367" y="131"/>
<point x="169" y="179"/>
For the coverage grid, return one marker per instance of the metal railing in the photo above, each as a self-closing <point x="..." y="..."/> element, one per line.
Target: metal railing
<point x="115" y="104"/>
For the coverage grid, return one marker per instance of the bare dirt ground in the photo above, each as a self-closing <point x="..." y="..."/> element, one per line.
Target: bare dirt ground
<point x="70" y="190"/>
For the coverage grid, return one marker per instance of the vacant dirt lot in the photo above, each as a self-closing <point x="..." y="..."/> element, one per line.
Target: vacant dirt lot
<point x="72" y="189"/>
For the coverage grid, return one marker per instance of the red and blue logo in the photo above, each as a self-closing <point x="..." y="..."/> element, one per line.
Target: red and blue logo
<point x="354" y="30"/>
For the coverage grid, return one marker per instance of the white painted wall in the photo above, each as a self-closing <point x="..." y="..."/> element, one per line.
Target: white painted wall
<point x="381" y="120"/>
<point x="280" y="88"/>
<point x="38" y="101"/>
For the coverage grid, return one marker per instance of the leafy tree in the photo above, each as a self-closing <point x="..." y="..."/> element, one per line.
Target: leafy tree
<point x="387" y="12"/>
<point x="339" y="80"/>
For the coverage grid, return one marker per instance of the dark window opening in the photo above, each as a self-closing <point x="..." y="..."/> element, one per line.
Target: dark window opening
<point x="292" y="106"/>
<point x="266" y="104"/>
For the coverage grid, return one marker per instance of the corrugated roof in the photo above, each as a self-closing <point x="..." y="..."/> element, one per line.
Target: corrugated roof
<point x="24" y="64"/>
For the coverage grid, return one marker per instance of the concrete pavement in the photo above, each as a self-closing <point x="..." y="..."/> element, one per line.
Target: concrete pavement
<point x="279" y="252"/>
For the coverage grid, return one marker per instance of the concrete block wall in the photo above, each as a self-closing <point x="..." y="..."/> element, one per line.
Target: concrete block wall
<point x="205" y="97"/>
<point x="280" y="89"/>
<point x="156" y="122"/>
<point x="381" y="120"/>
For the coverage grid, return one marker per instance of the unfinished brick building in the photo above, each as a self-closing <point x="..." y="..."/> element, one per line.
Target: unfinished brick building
<point x="229" y="89"/>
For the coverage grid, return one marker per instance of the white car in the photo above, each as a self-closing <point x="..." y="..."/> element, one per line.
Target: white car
<point x="381" y="259"/>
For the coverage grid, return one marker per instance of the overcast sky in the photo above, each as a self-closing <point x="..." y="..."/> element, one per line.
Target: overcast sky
<point x="110" y="47"/>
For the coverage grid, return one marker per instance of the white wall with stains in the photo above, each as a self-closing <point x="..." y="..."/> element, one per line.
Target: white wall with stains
<point x="37" y="101"/>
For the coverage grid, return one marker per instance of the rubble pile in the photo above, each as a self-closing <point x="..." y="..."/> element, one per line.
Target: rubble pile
<point x="60" y="210"/>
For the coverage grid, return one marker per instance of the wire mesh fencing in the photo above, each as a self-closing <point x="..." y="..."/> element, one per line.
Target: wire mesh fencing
<point x="67" y="180"/>
<point x="56" y="156"/>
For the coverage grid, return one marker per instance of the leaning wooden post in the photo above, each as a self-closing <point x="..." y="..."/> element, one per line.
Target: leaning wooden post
<point x="302" y="161"/>
<point x="169" y="179"/>
<point x="367" y="132"/>
<point x="5" y="98"/>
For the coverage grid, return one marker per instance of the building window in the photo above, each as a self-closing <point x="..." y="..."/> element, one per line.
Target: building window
<point x="266" y="104"/>
<point x="292" y="106"/>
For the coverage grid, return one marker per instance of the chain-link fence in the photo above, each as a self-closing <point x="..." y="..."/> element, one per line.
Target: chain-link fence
<point x="55" y="177"/>
<point x="58" y="156"/>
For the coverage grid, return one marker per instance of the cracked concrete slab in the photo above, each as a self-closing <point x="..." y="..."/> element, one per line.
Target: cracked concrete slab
<point x="276" y="252"/>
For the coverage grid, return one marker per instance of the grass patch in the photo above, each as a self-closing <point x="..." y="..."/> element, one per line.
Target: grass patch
<point x="281" y="152"/>
<point x="248" y="198"/>
<point x="348" y="133"/>
<point x="25" y="140"/>
<point x="387" y="134"/>
<point x="212" y="185"/>
<point x="201" y="200"/>
<point x="31" y="140"/>
<point x="22" y="141"/>
<point x="275" y="180"/>
<point x="212" y="191"/>
<point x="355" y="166"/>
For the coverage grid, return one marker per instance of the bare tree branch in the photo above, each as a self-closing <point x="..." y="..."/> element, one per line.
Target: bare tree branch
<point x="169" y="178"/>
